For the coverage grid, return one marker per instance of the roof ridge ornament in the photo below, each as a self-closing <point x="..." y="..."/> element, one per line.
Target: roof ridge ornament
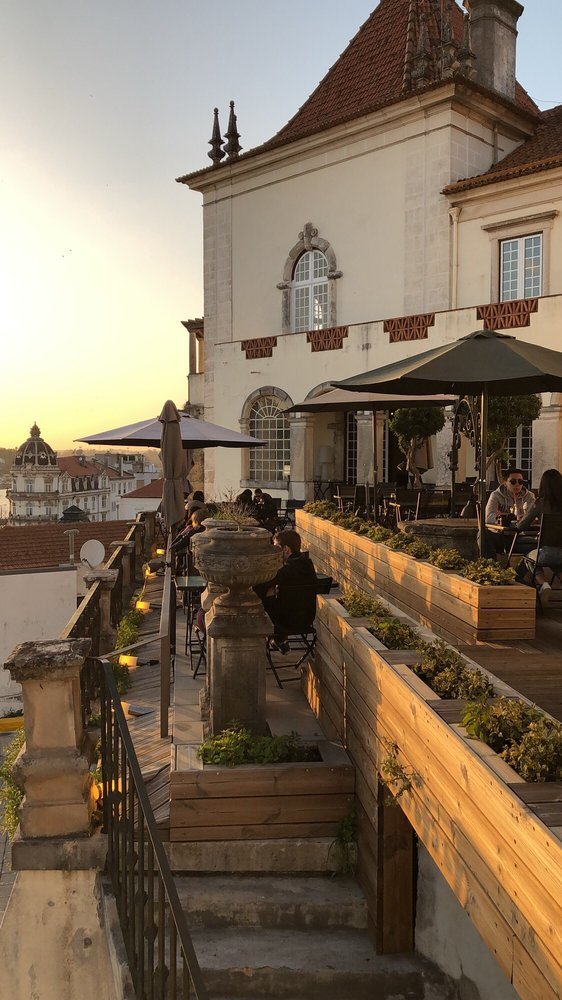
<point x="232" y="135"/>
<point x="422" y="71"/>
<point x="216" y="153"/>
<point x="465" y="54"/>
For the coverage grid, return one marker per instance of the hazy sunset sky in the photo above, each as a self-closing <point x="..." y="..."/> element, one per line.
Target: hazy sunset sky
<point x="104" y="104"/>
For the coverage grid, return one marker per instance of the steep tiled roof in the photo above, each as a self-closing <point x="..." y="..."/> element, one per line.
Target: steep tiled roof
<point x="38" y="546"/>
<point x="72" y="465"/>
<point x="153" y="489"/>
<point x="543" y="151"/>
<point x="376" y="69"/>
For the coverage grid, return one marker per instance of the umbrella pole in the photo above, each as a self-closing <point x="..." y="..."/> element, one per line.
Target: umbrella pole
<point x="482" y="470"/>
<point x="375" y="465"/>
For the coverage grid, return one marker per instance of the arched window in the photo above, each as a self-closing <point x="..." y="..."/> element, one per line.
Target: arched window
<point x="269" y="464"/>
<point x="310" y="292"/>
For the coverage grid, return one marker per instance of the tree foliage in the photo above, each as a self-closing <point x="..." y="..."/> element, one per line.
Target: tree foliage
<point x="505" y="414"/>
<point x="412" y="427"/>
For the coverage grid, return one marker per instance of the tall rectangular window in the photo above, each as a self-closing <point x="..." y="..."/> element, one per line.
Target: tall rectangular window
<point x="520" y="451"/>
<point x="521" y="267"/>
<point x="351" y="448"/>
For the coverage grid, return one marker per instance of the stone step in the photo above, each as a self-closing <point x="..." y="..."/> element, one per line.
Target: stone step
<point x="310" y="965"/>
<point x="272" y="902"/>
<point x="243" y="857"/>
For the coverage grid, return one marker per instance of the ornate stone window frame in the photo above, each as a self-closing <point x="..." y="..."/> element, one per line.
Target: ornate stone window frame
<point x="308" y="240"/>
<point x="525" y="225"/>
<point x="285" y="401"/>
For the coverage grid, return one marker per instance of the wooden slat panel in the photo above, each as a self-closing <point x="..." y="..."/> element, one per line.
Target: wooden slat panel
<point x="271" y="831"/>
<point x="279" y="780"/>
<point x="255" y="811"/>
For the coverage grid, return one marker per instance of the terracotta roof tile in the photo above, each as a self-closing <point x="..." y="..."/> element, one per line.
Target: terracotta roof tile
<point x="374" y="71"/>
<point x="543" y="151"/>
<point x="153" y="489"/>
<point x="38" y="546"/>
<point x="72" y="465"/>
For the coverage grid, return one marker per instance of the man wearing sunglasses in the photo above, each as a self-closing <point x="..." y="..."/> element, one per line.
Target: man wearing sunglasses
<point x="508" y="504"/>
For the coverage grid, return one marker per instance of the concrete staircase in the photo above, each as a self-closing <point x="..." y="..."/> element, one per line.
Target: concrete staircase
<point x="294" y="935"/>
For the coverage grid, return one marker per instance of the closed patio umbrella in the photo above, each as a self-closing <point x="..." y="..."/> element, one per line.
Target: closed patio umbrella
<point x="173" y="465"/>
<point x="483" y="363"/>
<point x="343" y="399"/>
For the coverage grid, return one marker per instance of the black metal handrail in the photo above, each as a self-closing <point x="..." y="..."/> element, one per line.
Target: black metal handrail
<point x="160" y="951"/>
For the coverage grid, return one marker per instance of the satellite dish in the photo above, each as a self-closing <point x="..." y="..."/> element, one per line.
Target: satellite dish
<point x="92" y="553"/>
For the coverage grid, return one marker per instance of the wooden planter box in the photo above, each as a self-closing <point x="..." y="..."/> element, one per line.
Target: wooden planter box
<point x="452" y="606"/>
<point x="496" y="838"/>
<point x="256" y="802"/>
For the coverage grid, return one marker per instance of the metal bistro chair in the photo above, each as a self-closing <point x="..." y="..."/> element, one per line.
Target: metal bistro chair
<point x="436" y="503"/>
<point x="549" y="534"/>
<point x="287" y="515"/>
<point x="302" y="641"/>
<point x="345" y="498"/>
<point x="404" y="505"/>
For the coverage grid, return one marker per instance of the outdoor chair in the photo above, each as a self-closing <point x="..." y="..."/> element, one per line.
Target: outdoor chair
<point x="302" y="643"/>
<point x="344" y="498"/>
<point x="549" y="534"/>
<point x="287" y="515"/>
<point x="436" y="503"/>
<point x="403" y="507"/>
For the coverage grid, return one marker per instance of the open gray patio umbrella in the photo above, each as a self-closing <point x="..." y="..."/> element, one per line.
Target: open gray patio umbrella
<point x="345" y="400"/>
<point x="195" y="433"/>
<point x="174" y="465"/>
<point x="483" y="363"/>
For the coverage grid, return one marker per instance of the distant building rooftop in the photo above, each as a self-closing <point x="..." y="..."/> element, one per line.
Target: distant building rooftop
<point x="40" y="546"/>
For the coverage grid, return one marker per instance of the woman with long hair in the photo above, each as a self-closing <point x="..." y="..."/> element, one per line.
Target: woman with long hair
<point x="549" y="501"/>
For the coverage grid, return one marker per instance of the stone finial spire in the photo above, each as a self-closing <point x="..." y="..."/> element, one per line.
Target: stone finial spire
<point x="422" y="71"/>
<point x="216" y="153"/>
<point x="449" y="59"/>
<point x="466" y="56"/>
<point x="232" y="146"/>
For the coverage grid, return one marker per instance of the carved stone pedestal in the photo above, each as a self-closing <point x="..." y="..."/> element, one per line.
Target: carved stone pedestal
<point x="235" y="558"/>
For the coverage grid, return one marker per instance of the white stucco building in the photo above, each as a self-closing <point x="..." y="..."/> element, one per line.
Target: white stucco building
<point x="414" y="198"/>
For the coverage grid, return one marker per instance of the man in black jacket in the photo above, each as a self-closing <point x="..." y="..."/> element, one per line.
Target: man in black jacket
<point x="290" y="598"/>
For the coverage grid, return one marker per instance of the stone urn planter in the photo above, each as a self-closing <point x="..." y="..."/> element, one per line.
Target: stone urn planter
<point x="234" y="558"/>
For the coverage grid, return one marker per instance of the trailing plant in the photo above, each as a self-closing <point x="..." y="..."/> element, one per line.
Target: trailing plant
<point x="344" y="847"/>
<point x="394" y="773"/>
<point x="237" y="745"/>
<point x="446" y="673"/>
<point x="10" y="795"/>
<point x="127" y="635"/>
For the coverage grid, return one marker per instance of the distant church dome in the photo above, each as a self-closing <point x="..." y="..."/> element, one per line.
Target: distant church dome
<point x="35" y="452"/>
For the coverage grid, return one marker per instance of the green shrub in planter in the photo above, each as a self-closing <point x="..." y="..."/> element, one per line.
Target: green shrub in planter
<point x="538" y="757"/>
<point x="321" y="508"/>
<point x="237" y="745"/>
<point x="446" y="673"/>
<point x="395" y="634"/>
<point x="488" y="571"/>
<point x="379" y="534"/>
<point x="360" y="606"/>
<point x="500" y="724"/>
<point x="446" y="559"/>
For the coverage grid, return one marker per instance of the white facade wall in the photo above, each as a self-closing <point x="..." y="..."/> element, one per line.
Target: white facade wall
<point x="35" y="605"/>
<point x="373" y="190"/>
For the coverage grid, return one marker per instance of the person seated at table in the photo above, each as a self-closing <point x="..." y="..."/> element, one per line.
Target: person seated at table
<point x="507" y="505"/>
<point x="181" y="543"/>
<point x="549" y="501"/>
<point x="266" y="511"/>
<point x="290" y="598"/>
